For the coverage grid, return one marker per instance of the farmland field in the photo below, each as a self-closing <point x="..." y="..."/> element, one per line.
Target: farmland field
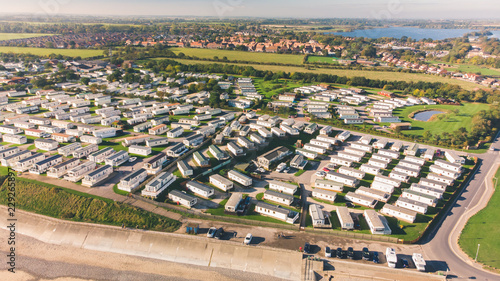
<point x="483" y="228"/>
<point x="474" y="69"/>
<point x="84" y="53"/>
<point x="241" y="55"/>
<point x="382" y="75"/>
<point x="11" y="36"/>
<point x="451" y="121"/>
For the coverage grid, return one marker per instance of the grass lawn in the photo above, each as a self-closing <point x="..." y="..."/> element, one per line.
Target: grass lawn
<point x="62" y="203"/>
<point x="449" y="124"/>
<point x="251" y="214"/>
<point x="241" y="55"/>
<point x="12" y="36"/>
<point x="382" y="75"/>
<point x="84" y="53"/>
<point x="483" y="228"/>
<point x="475" y="69"/>
<point x="272" y="88"/>
<point x="321" y="59"/>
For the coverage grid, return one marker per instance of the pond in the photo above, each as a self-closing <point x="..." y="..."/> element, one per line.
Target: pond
<point x="426" y="115"/>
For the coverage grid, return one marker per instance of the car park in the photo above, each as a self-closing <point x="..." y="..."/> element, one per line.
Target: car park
<point x="328" y="252"/>
<point x="375" y="257"/>
<point x="366" y="254"/>
<point x="211" y="232"/>
<point x="350" y="253"/>
<point x="248" y="239"/>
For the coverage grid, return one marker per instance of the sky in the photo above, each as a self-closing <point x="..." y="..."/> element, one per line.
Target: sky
<point x="373" y="9"/>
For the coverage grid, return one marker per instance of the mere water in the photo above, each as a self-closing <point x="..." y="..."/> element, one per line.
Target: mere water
<point x="413" y="32"/>
<point x="426" y="115"/>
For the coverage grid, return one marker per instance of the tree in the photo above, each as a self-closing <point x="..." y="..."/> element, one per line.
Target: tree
<point x="85" y="80"/>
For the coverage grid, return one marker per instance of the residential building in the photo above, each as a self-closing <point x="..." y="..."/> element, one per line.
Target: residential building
<point x="90" y="139"/>
<point x="454" y="158"/>
<point x="157" y="142"/>
<point x="177" y="150"/>
<point x="413" y="205"/>
<point x="175" y="132"/>
<point x="182" y="198"/>
<point x="324" y="194"/>
<point x="101" y="154"/>
<point x="420" y="197"/>
<point x="43" y="165"/>
<point x="239" y="178"/>
<point x="329" y="185"/>
<point x="280" y="198"/>
<point x="154" y="164"/>
<point x="276" y="212"/>
<point x="61" y="169"/>
<point x="117" y="159"/>
<point x="26" y="163"/>
<point x="46" y="144"/>
<point x="139" y="150"/>
<point x="343" y="179"/>
<point x="233" y="202"/>
<point x="378" y="224"/>
<point x="373" y="193"/>
<point x="221" y="182"/>
<point x="399" y="213"/>
<point x="318" y="218"/>
<point x="345" y="218"/>
<point x="351" y="172"/>
<point x="283" y="187"/>
<point x="185" y="169"/>
<point x="78" y="172"/>
<point x="200" y="189"/>
<point x="270" y="157"/>
<point x="362" y="200"/>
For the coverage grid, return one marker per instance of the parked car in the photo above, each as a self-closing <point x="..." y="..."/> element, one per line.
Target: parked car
<point x="350" y="253"/>
<point x="339" y="253"/>
<point x="132" y="159"/>
<point x="248" y="239"/>
<point x="326" y="169"/>
<point x="211" y="232"/>
<point x="307" y="248"/>
<point x="280" y="167"/>
<point x="328" y="252"/>
<point x="405" y="263"/>
<point x="375" y="257"/>
<point x="219" y="233"/>
<point x="286" y="170"/>
<point x="320" y="173"/>
<point x="349" y="205"/>
<point x="366" y="254"/>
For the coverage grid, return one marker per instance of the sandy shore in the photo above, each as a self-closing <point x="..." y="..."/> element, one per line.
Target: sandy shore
<point x="41" y="261"/>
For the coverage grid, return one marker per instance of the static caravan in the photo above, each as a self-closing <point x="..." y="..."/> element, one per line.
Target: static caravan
<point x="349" y="156"/>
<point x="16" y="139"/>
<point x="315" y="148"/>
<point x="429" y="154"/>
<point x="105" y="133"/>
<point x="185" y="169"/>
<point x="74" y="132"/>
<point x="10" y="160"/>
<point x="200" y="189"/>
<point x="360" y="146"/>
<point x="332" y="141"/>
<point x="341" y="161"/>
<point x="278" y="132"/>
<point x="399" y="176"/>
<point x="43" y="165"/>
<point x="387" y="180"/>
<point x="448" y="165"/>
<point x="441" y="178"/>
<point x="46" y="144"/>
<point x="324" y="194"/>
<point x="454" y="158"/>
<point x="135" y="140"/>
<point x="438" y="193"/>
<point x="97" y="176"/>
<point x="5" y="129"/>
<point x="276" y="212"/>
<point x="154" y="164"/>
<point x="326" y="130"/>
<point x="200" y="159"/>
<point x="384" y="187"/>
<point x="158" y="184"/>
<point x="26" y="163"/>
<point x="239" y="178"/>
<point x="221" y="182"/>
<point x="378" y="164"/>
<point x="217" y="153"/>
<point x="182" y="198"/>
<point x="78" y="172"/>
<point x="117" y="159"/>
<point x="320" y="143"/>
<point x="90" y="139"/>
<point x="408" y="171"/>
<point x="420" y="197"/>
<point x="177" y="150"/>
<point x="343" y="136"/>
<point x="399" y="213"/>
<point x="101" y="154"/>
<point x="63" y="137"/>
<point x="433" y="184"/>
<point x="36" y="133"/>
<point x="413" y="205"/>
<point x="157" y="142"/>
<point x="373" y="193"/>
<point x="416" y="160"/>
<point x="5" y="152"/>
<point x="233" y="202"/>
<point x="381" y="158"/>
<point x="378" y="224"/>
<point x="68" y="149"/>
<point x="264" y="132"/>
<point x="306" y="153"/>
<point x="280" y="198"/>
<point x="412" y="149"/>
<point x="133" y="180"/>
<point x="409" y="164"/>
<point x="362" y="200"/>
<point x="343" y="179"/>
<point x="235" y="149"/>
<point x="329" y="185"/>
<point x="283" y="187"/>
<point x="245" y="143"/>
<point x="345" y="218"/>
<point x="370" y="169"/>
<point x="396" y="147"/>
<point x="351" y="172"/>
<point x="61" y="169"/>
<point x="175" y="132"/>
<point x="389" y="153"/>
<point x="365" y="140"/>
<point x="354" y="151"/>
<point x="443" y="171"/>
<point x="380" y="144"/>
<point x="318" y="218"/>
<point x="139" y="150"/>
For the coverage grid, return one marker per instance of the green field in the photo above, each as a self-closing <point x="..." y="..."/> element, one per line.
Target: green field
<point x="57" y="202"/>
<point x="483" y="228"/>
<point x="84" y="53"/>
<point x="241" y="55"/>
<point x="475" y="69"/>
<point x="450" y="123"/>
<point x="322" y="59"/>
<point x="11" y="36"/>
<point x="381" y="75"/>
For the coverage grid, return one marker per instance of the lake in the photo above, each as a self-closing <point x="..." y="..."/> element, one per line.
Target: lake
<point x="413" y="32"/>
<point x="426" y="115"/>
